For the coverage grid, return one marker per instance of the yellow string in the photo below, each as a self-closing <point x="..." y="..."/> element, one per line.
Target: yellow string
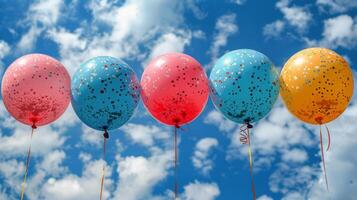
<point x="103" y="172"/>
<point x="175" y="162"/>
<point x="251" y="165"/>
<point x="27" y="166"/>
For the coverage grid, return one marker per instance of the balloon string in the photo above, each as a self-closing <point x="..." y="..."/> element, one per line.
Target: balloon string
<point x="175" y="160"/>
<point x="329" y="138"/>
<point x="323" y="158"/>
<point x="27" y="164"/>
<point x="245" y="139"/>
<point x="105" y="137"/>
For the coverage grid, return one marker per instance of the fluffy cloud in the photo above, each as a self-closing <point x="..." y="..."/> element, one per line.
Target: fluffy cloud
<point x="171" y="42"/>
<point x="277" y="134"/>
<point x="265" y="197"/>
<point x="41" y="15"/>
<point x="138" y="175"/>
<point x="340" y="31"/>
<point x="4" y="49"/>
<point x="274" y="29"/>
<point x="71" y="187"/>
<point x="143" y="29"/>
<point x="200" y="158"/>
<point x="298" y="17"/>
<point x="144" y="134"/>
<point x="216" y="118"/>
<point x="294" y="16"/>
<point x="225" y="27"/>
<point x="336" y="6"/>
<point x="199" y="191"/>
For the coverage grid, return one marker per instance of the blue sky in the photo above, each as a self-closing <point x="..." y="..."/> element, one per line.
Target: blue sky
<point x="67" y="161"/>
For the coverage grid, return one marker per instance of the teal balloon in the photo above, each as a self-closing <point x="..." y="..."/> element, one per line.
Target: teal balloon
<point x="105" y="92"/>
<point x="244" y="85"/>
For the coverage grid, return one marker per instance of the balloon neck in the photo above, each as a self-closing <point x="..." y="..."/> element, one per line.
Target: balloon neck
<point x="106" y="134"/>
<point x="319" y="120"/>
<point x="33" y="125"/>
<point x="177" y="126"/>
<point x="249" y="125"/>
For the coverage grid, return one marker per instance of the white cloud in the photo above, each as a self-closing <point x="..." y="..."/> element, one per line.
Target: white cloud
<point x="40" y="16"/>
<point x="225" y="27"/>
<point x="171" y="42"/>
<point x="296" y="16"/>
<point x="340" y="31"/>
<point x="264" y="197"/>
<point x="138" y="175"/>
<point x="91" y="136"/>
<point x="273" y="135"/>
<point x="4" y="49"/>
<point x="200" y="191"/>
<point x="144" y="134"/>
<point x="73" y="187"/>
<point x="295" y="155"/>
<point x="274" y="29"/>
<point x="216" y="118"/>
<point x="336" y="6"/>
<point x="239" y="2"/>
<point x="202" y="151"/>
<point x="197" y="11"/>
<point x="52" y="163"/>
<point x="143" y="29"/>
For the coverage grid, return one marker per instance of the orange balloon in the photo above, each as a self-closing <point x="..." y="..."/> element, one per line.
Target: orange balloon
<point x="316" y="85"/>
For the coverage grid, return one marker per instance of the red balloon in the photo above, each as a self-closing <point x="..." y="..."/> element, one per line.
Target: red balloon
<point x="174" y="88"/>
<point x="36" y="89"/>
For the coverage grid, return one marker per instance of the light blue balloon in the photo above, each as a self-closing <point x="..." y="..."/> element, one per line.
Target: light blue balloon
<point x="105" y="92"/>
<point x="244" y="85"/>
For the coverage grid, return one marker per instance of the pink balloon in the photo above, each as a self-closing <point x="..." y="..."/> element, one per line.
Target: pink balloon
<point x="36" y="89"/>
<point x="174" y="88"/>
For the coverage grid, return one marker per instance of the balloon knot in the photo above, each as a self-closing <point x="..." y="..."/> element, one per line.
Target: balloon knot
<point x="177" y="126"/>
<point x="249" y="125"/>
<point x="319" y="120"/>
<point x="33" y="126"/>
<point x="106" y="134"/>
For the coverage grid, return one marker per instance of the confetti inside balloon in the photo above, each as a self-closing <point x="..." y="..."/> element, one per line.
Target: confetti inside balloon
<point x="244" y="85"/>
<point x="36" y="89"/>
<point x="175" y="91"/>
<point x="105" y="92"/>
<point x="244" y="88"/>
<point x="174" y="88"/>
<point x="316" y="85"/>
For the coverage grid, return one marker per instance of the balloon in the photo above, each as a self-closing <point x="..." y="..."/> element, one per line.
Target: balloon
<point x="36" y="89"/>
<point x="244" y="85"/>
<point x="174" y="88"/>
<point x="316" y="85"/>
<point x="105" y="92"/>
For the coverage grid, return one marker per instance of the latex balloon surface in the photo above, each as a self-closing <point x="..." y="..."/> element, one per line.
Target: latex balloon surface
<point x="316" y="85"/>
<point x="105" y="92"/>
<point x="174" y="88"/>
<point x="244" y="85"/>
<point x="36" y="89"/>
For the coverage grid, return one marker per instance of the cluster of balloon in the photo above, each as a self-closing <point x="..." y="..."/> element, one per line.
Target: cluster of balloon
<point x="36" y="91"/>
<point x="175" y="91"/>
<point x="105" y="94"/>
<point x="316" y="87"/>
<point x="244" y="88"/>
